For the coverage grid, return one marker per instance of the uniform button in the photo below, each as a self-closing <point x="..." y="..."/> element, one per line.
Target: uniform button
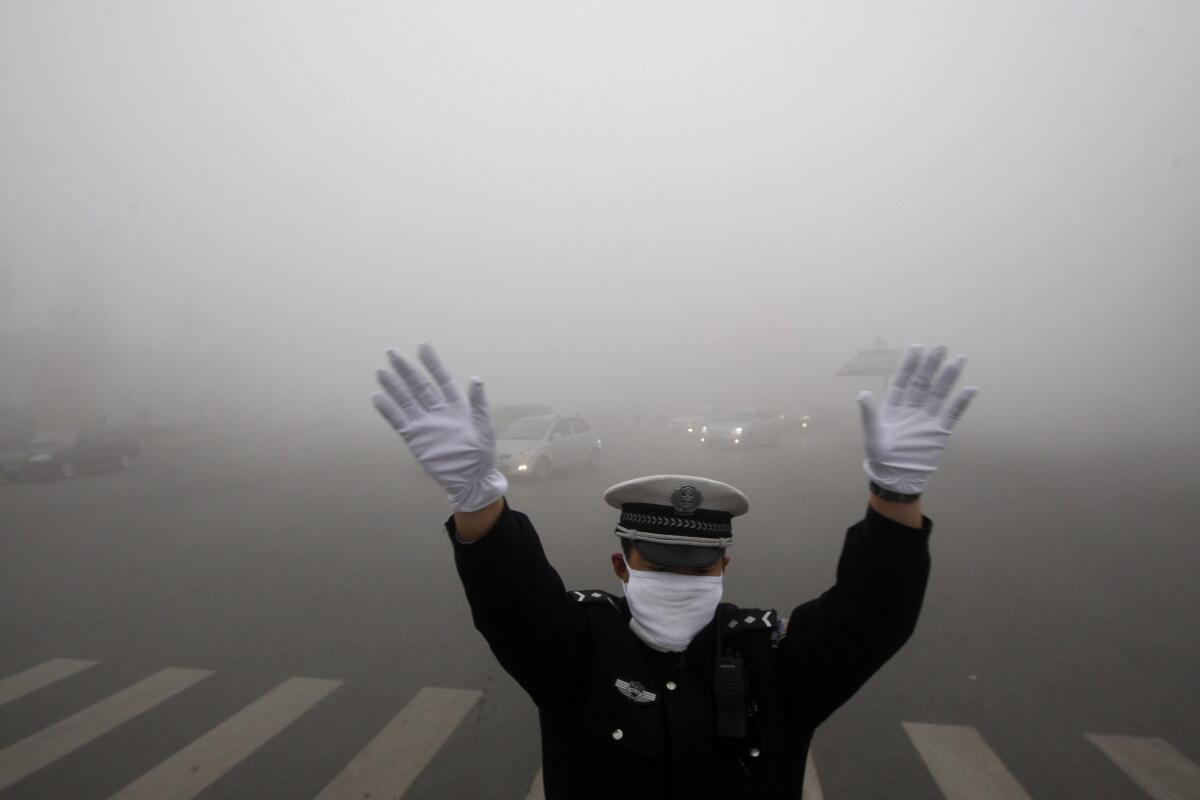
<point x="670" y="686"/>
<point x="754" y="752"/>
<point x="618" y="734"/>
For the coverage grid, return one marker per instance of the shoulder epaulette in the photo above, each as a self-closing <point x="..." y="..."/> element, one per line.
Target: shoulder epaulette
<point x="592" y="596"/>
<point x="740" y="620"/>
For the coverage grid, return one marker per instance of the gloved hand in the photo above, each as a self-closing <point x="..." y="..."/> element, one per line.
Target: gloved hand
<point x="452" y="439"/>
<point x="906" y="437"/>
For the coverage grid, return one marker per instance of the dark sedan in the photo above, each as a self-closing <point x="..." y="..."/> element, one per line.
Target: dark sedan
<point x="65" y="454"/>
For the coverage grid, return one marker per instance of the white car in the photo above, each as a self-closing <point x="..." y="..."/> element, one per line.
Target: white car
<point x="690" y="422"/>
<point x="743" y="428"/>
<point x="539" y="446"/>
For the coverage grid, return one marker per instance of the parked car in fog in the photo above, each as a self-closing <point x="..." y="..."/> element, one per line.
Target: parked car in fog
<point x="65" y="454"/>
<point x="745" y="427"/>
<point x="539" y="446"/>
<point x="797" y="423"/>
<point x="690" y="422"/>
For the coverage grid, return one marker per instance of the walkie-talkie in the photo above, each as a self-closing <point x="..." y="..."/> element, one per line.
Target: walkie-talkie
<point x="729" y="689"/>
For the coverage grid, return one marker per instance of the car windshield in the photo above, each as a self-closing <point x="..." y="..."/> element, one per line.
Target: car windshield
<point x="527" y="428"/>
<point x="505" y="415"/>
<point x="53" y="438"/>
<point x="735" y="416"/>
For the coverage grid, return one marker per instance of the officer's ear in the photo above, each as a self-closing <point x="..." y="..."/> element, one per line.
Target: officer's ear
<point x="618" y="564"/>
<point x="725" y="564"/>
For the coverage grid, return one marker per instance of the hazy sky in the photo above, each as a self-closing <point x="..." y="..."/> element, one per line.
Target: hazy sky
<point x="648" y="202"/>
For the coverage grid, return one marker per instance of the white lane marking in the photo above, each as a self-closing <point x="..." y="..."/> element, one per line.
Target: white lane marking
<point x="35" y="678"/>
<point x="50" y="744"/>
<point x="392" y="760"/>
<point x="812" y="784"/>
<point x="191" y="770"/>
<point x="538" y="790"/>
<point x="962" y="764"/>
<point x="1159" y="769"/>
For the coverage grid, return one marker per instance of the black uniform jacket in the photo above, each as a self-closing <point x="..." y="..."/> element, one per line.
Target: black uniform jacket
<point x="621" y="720"/>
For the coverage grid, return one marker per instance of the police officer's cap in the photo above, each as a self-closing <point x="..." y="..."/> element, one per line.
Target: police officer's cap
<point x="677" y="520"/>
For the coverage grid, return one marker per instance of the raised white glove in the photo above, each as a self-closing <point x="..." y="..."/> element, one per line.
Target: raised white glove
<point x="905" y="438"/>
<point x="451" y="438"/>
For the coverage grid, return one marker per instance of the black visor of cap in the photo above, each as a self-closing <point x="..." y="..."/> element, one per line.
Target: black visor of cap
<point x="677" y="555"/>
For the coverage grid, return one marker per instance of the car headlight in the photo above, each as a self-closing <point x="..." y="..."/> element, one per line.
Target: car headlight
<point x="737" y="431"/>
<point x="691" y="429"/>
<point x="41" y="458"/>
<point x="704" y="429"/>
<point x="522" y="468"/>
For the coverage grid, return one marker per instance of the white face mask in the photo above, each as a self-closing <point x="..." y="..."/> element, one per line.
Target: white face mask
<point x="669" y="609"/>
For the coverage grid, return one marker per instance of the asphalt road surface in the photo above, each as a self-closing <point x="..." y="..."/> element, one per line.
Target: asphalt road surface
<point x="277" y="616"/>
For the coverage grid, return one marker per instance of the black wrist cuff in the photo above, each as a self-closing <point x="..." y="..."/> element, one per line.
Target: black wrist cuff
<point x="895" y="497"/>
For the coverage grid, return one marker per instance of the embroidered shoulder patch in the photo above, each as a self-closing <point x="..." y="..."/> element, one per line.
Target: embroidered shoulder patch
<point x="738" y="620"/>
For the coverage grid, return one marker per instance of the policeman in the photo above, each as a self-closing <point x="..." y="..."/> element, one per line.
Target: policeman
<point x="667" y="692"/>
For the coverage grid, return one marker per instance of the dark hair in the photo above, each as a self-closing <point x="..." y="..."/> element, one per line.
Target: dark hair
<point x="626" y="547"/>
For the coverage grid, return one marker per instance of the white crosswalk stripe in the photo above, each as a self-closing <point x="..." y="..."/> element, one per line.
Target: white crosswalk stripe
<point x="40" y="676"/>
<point x="50" y="744"/>
<point x="962" y="764"/>
<point x="393" y="759"/>
<point x="188" y="772"/>
<point x="1159" y="769"/>
<point x="538" y="790"/>
<point x="812" y="785"/>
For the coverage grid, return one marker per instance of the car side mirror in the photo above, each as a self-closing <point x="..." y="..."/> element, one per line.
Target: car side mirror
<point x="555" y="435"/>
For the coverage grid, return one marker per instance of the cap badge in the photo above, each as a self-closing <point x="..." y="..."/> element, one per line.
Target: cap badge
<point x="634" y="691"/>
<point x="686" y="499"/>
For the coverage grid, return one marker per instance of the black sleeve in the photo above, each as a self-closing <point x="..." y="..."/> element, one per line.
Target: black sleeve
<point x="521" y="607"/>
<point x="836" y="642"/>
